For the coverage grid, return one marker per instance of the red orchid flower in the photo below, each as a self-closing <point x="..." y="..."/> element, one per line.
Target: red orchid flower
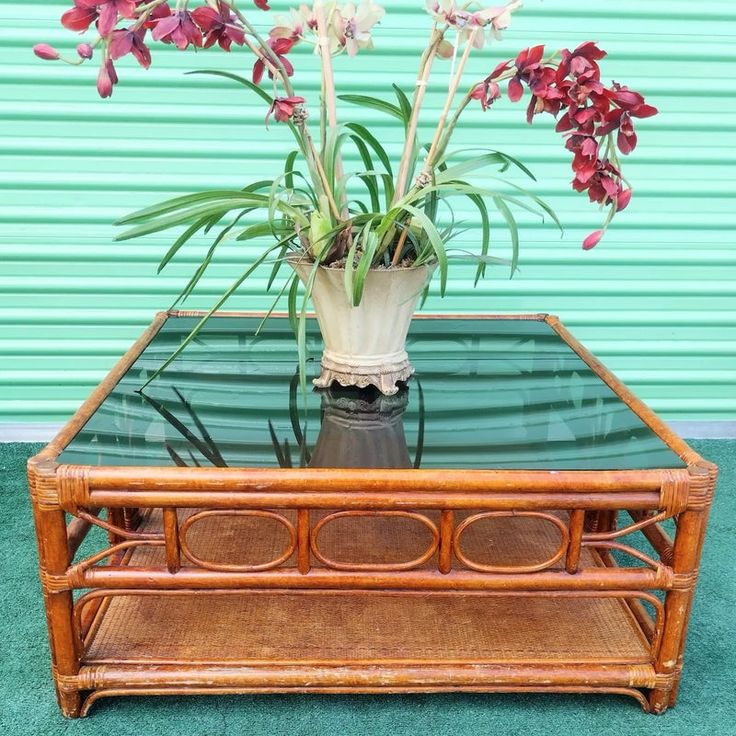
<point x="604" y="186"/>
<point x="81" y="16"/>
<point x="108" y="11"/>
<point x="262" y="4"/>
<point x="281" y="47"/>
<point x="487" y="92"/>
<point x="160" y="11"/>
<point x="528" y="68"/>
<point x="546" y="96"/>
<point x="583" y="60"/>
<point x="178" y="28"/>
<point x="219" y="26"/>
<point x="591" y="112"/>
<point x="283" y="108"/>
<point x="631" y="105"/>
<point x="585" y="150"/>
<point x="126" y="41"/>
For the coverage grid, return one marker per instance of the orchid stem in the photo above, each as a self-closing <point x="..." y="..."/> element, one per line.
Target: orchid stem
<point x="400" y="245"/>
<point x="425" y="69"/>
<point x="329" y="97"/>
<point x="429" y="163"/>
<point x="323" y="180"/>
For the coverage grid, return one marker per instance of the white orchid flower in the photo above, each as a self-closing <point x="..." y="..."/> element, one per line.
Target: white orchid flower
<point x="353" y="25"/>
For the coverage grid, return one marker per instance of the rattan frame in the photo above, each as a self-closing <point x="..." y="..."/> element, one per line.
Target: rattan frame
<point x="592" y="499"/>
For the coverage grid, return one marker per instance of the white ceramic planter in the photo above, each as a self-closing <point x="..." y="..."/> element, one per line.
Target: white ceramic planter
<point x="365" y="345"/>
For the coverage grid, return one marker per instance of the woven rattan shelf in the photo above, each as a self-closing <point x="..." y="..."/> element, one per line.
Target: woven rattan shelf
<point x="514" y="520"/>
<point x="306" y="627"/>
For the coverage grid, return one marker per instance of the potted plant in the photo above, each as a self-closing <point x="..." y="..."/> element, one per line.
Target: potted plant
<point x="364" y="259"/>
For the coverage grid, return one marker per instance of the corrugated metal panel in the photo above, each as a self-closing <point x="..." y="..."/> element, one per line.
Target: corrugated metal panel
<point x="656" y="301"/>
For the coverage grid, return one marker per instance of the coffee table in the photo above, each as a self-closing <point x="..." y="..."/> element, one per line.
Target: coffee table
<point x="513" y="520"/>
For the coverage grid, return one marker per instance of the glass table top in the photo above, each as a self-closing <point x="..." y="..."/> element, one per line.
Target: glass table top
<point x="487" y="394"/>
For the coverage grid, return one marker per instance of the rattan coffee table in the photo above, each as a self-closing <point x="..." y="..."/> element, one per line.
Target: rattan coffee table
<point x="513" y="520"/>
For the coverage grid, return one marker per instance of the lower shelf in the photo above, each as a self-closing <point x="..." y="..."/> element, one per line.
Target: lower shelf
<point x="364" y="628"/>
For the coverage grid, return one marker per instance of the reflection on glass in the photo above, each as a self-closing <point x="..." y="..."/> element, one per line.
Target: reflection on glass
<point x="488" y="394"/>
<point x="362" y="429"/>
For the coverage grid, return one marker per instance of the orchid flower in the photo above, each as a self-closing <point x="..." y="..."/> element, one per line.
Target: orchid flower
<point x="295" y="25"/>
<point x="109" y="11"/>
<point x="284" y="108"/>
<point x="219" y="26"/>
<point x="178" y="28"/>
<point x="126" y="41"/>
<point x="81" y="16"/>
<point x="473" y="25"/>
<point x="353" y="25"/>
<point x="280" y="47"/>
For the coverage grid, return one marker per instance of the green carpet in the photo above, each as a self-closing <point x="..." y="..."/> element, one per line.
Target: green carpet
<point x="27" y="706"/>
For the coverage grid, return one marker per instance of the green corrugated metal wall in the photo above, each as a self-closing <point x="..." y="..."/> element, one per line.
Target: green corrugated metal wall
<point x="656" y="300"/>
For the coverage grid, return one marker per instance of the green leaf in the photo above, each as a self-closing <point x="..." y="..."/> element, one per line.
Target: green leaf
<point x="241" y="80"/>
<point x="277" y="267"/>
<point x="330" y="157"/>
<point x="485" y="222"/>
<point x="293" y="292"/>
<point x="465" y="167"/>
<point x="180" y="241"/>
<point x="373" y="142"/>
<point x="476" y="257"/>
<point x="404" y="104"/>
<point x="203" y="321"/>
<point x="373" y="103"/>
<point x="350" y="267"/>
<point x="182" y="218"/>
<point x="289" y="169"/>
<point x="189" y="288"/>
<point x="503" y="158"/>
<point x="370" y="245"/>
<point x="508" y="215"/>
<point x="368" y="163"/>
<point x="435" y="241"/>
<point x="518" y="164"/>
<point x="287" y="285"/>
<point x="177" y="203"/>
<point x="301" y="339"/>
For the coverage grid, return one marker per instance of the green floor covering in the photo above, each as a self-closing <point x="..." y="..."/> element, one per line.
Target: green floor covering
<point x="707" y="702"/>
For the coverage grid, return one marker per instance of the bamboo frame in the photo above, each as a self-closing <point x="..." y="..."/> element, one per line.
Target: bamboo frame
<point x="586" y="505"/>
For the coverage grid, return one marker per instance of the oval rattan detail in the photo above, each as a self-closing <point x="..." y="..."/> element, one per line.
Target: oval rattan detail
<point x="239" y="513"/>
<point x="532" y="567"/>
<point x="376" y="566"/>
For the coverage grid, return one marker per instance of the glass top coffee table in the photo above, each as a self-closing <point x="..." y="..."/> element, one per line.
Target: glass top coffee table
<point x="514" y="519"/>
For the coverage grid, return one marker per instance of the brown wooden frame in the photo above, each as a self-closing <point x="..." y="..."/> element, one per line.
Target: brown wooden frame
<point x="592" y="499"/>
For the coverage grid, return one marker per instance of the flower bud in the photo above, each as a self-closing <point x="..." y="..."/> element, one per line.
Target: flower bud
<point x="85" y="51"/>
<point x="106" y="79"/>
<point x="593" y="239"/>
<point x="44" y="51"/>
<point x="623" y="199"/>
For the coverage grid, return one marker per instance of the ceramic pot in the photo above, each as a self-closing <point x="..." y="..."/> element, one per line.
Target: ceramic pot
<point x="365" y="345"/>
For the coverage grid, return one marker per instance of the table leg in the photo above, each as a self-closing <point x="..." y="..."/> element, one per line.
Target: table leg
<point x="686" y="557"/>
<point x="53" y="562"/>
